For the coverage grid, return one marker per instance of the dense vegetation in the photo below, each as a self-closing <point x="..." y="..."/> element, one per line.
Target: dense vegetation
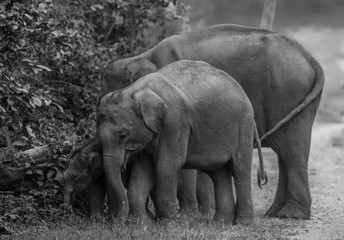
<point x="52" y="55"/>
<point x="52" y="58"/>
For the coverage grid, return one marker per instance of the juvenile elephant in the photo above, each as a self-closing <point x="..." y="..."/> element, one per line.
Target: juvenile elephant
<point x="190" y="115"/>
<point x="86" y="171"/>
<point x="281" y="79"/>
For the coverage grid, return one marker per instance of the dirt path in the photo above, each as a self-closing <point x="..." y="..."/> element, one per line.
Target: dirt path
<point x="326" y="177"/>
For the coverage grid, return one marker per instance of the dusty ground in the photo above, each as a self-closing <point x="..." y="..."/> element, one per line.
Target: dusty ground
<point x="326" y="176"/>
<point x="326" y="162"/>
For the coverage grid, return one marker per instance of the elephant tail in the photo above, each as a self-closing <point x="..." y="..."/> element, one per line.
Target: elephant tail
<point x="262" y="178"/>
<point x="319" y="80"/>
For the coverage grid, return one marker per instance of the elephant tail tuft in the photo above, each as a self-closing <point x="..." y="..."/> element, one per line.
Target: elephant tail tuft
<point x="262" y="178"/>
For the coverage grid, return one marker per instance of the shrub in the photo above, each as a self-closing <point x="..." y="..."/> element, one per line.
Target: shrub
<point x="52" y="55"/>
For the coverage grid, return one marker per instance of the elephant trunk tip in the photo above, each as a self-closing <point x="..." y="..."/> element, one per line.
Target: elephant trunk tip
<point x="67" y="198"/>
<point x="66" y="203"/>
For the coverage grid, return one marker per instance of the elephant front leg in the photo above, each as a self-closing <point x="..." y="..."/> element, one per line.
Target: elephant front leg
<point x="186" y="193"/>
<point x="169" y="157"/>
<point x="166" y="190"/>
<point x="140" y="185"/>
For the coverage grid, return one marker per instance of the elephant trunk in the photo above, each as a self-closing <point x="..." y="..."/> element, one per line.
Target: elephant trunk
<point x="112" y="165"/>
<point x="67" y="195"/>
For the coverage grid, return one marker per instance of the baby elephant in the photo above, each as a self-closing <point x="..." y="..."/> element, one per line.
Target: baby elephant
<point x="186" y="115"/>
<point x="86" y="170"/>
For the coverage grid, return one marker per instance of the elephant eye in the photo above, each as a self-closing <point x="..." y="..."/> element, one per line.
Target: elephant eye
<point x="122" y="136"/>
<point x="132" y="96"/>
<point x="74" y="177"/>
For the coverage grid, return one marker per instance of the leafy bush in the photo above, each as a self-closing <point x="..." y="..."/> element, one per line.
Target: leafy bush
<point x="52" y="55"/>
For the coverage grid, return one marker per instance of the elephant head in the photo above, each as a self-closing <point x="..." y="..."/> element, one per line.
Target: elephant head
<point x="127" y="122"/>
<point x="82" y="168"/>
<point x="122" y="73"/>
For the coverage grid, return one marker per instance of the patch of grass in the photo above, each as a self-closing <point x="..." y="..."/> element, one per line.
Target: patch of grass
<point x="51" y="222"/>
<point x="338" y="141"/>
<point x="186" y="227"/>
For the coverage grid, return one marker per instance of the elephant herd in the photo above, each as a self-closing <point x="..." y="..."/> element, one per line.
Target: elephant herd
<point x="180" y="121"/>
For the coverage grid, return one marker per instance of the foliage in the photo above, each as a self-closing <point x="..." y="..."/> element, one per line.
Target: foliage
<point x="52" y="55"/>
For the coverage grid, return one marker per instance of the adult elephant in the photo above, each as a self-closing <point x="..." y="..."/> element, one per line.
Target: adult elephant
<point x="282" y="80"/>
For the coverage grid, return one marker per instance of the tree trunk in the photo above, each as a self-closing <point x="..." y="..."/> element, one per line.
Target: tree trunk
<point x="268" y="14"/>
<point x="14" y="176"/>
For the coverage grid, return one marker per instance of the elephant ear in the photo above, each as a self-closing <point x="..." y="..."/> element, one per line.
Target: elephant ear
<point x="96" y="164"/>
<point x="139" y="68"/>
<point x="152" y="108"/>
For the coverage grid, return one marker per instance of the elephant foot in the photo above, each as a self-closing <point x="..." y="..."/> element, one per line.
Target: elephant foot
<point x="223" y="223"/>
<point x="291" y="211"/>
<point x="139" y="221"/>
<point x="197" y="222"/>
<point x="206" y="211"/>
<point x="272" y="212"/>
<point x="223" y="220"/>
<point x="188" y="210"/>
<point x="163" y="217"/>
<point x="243" y="220"/>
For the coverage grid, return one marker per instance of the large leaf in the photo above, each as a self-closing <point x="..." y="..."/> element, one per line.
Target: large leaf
<point x="10" y="101"/>
<point x="36" y="101"/>
<point x="19" y="143"/>
<point x="30" y="131"/>
<point x="44" y="68"/>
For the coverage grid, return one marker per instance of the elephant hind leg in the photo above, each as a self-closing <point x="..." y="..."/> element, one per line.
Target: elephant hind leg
<point x="224" y="200"/>
<point x="140" y="185"/>
<point x="240" y="166"/>
<point x="292" y="145"/>
<point x="205" y="193"/>
<point x="281" y="191"/>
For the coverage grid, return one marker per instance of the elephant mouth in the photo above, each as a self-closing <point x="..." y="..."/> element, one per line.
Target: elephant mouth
<point x="127" y="155"/>
<point x="68" y="198"/>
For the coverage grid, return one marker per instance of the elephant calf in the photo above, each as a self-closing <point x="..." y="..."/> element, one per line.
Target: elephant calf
<point x="188" y="114"/>
<point x="86" y="170"/>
